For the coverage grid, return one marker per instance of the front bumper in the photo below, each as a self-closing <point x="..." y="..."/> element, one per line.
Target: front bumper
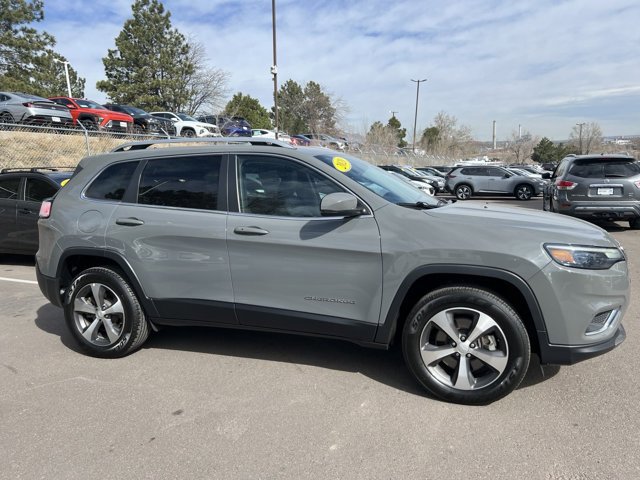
<point x="568" y="355"/>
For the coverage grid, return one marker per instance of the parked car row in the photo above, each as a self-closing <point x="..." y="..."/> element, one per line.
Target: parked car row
<point x="69" y="112"/>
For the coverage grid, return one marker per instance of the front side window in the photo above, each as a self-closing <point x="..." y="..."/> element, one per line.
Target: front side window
<point x="184" y="182"/>
<point x="38" y="190"/>
<point x="112" y="182"/>
<point x="281" y="187"/>
<point x="9" y="188"/>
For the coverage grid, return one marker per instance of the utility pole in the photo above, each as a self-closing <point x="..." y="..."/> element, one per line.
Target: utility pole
<point x="66" y="74"/>
<point x="274" y="68"/>
<point x="393" y="114"/>
<point x="415" y="119"/>
<point x="580" y="137"/>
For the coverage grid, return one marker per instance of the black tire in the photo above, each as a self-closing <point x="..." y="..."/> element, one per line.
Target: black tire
<point x="464" y="311"/>
<point x="187" y="132"/>
<point x="6" y="117"/>
<point x="463" y="191"/>
<point x="137" y="129"/>
<point x="634" y="224"/>
<point x="111" y="335"/>
<point x="523" y="192"/>
<point x="88" y="123"/>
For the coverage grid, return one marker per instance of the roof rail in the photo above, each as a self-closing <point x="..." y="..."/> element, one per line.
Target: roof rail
<point x="142" y="145"/>
<point x="36" y="169"/>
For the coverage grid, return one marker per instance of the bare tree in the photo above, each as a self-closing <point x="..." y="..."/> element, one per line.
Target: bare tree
<point x="206" y="86"/>
<point x="446" y="138"/>
<point x="521" y="146"/>
<point x="586" y="137"/>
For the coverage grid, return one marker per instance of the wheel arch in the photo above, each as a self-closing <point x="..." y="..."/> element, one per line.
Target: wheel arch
<point x="512" y="288"/>
<point x="74" y="261"/>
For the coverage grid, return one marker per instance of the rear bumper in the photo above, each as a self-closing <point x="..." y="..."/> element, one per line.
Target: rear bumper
<point x="568" y="355"/>
<point x="50" y="287"/>
<point x="622" y="210"/>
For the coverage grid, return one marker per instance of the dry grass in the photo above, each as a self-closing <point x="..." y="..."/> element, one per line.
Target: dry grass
<point x="28" y="149"/>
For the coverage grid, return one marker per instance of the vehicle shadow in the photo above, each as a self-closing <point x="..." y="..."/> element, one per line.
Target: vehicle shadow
<point x="384" y="366"/>
<point x="8" y="259"/>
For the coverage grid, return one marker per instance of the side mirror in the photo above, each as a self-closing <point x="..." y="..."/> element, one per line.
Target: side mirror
<point x="546" y="175"/>
<point x="174" y="120"/>
<point x="70" y="106"/>
<point x="340" y="205"/>
<point x="507" y="175"/>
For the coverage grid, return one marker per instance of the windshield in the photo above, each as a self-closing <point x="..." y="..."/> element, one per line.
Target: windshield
<point x="184" y="116"/>
<point x="88" y="104"/>
<point x="377" y="180"/>
<point x="133" y="110"/>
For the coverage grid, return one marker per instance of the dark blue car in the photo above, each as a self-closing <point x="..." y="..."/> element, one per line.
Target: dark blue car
<point x="229" y="126"/>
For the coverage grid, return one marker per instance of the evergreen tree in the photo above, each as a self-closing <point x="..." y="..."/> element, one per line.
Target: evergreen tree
<point x="394" y="125"/>
<point x="249" y="108"/>
<point x="318" y="110"/>
<point x="151" y="65"/>
<point x="291" y="108"/>
<point x="27" y="56"/>
<point x="547" y="152"/>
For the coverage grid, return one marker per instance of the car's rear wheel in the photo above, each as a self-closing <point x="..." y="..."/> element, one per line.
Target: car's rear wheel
<point x="523" y="192"/>
<point x="6" y="117"/>
<point x="104" y="314"/>
<point x="635" y="224"/>
<point x="463" y="192"/>
<point x="466" y="345"/>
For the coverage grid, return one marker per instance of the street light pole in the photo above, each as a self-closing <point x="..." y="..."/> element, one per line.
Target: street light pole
<point x="274" y="68"/>
<point x="415" y="119"/>
<point x="66" y="74"/>
<point x="580" y="125"/>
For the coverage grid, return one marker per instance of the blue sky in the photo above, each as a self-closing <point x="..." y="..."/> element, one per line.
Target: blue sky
<point x="542" y="64"/>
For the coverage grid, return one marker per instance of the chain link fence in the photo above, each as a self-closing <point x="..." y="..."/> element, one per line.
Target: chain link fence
<point x="23" y="146"/>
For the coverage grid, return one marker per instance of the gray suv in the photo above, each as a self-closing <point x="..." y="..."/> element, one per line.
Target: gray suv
<point x="596" y="187"/>
<point x="252" y="233"/>
<point x="464" y="182"/>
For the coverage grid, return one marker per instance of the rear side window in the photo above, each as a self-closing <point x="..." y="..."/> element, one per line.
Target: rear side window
<point x="9" y="188"/>
<point x="185" y="182"/>
<point x="605" y="169"/>
<point x="38" y="190"/>
<point x="112" y="182"/>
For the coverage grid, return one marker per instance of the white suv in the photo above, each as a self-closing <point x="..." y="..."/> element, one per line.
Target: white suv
<point x="187" y="126"/>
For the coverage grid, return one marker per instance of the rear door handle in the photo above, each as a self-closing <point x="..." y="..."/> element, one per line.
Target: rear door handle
<point x="129" y="222"/>
<point x="250" y="231"/>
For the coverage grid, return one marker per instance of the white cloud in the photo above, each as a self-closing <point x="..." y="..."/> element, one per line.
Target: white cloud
<point x="484" y="60"/>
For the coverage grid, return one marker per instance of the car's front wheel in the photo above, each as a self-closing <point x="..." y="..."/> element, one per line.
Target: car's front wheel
<point x="523" y="192"/>
<point x="635" y="224"/>
<point x="187" y="132"/>
<point x="463" y="192"/>
<point x="104" y="314"/>
<point x="466" y="345"/>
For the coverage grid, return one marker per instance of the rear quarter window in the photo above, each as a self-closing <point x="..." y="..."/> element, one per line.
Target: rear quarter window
<point x="112" y="182"/>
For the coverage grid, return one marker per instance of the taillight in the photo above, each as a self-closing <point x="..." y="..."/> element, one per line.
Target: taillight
<point x="45" y="209"/>
<point x="565" y="185"/>
<point x="637" y="184"/>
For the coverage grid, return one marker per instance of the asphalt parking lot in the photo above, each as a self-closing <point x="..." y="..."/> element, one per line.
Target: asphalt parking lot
<point x="214" y="403"/>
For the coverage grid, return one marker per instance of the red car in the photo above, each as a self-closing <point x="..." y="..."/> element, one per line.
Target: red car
<point x="94" y="116"/>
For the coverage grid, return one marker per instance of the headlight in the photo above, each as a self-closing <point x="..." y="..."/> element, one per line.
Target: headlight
<point x="592" y="258"/>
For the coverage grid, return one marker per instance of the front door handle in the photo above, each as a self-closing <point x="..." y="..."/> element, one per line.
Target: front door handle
<point x="250" y="231"/>
<point x="129" y="222"/>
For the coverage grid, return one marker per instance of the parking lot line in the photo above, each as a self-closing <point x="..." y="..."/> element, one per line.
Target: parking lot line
<point x="18" y="281"/>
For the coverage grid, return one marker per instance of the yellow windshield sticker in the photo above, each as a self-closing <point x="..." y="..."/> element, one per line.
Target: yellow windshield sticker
<point x="64" y="182"/>
<point x="341" y="164"/>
